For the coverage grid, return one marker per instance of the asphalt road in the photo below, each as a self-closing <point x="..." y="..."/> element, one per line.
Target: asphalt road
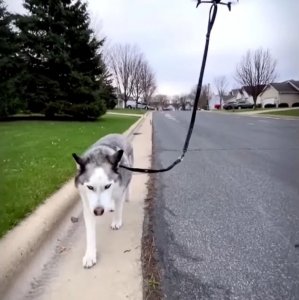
<point x="227" y="217"/>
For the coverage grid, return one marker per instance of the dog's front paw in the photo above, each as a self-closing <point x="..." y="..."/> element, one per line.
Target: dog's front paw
<point x="116" y="225"/>
<point x="89" y="260"/>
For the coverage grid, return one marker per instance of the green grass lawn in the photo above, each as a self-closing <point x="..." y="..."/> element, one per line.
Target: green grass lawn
<point x="128" y="111"/>
<point x="289" y="112"/>
<point x="35" y="159"/>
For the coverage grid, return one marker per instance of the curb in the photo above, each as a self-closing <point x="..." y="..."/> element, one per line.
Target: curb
<point x="16" y="248"/>
<point x="257" y="115"/>
<point x="275" y="117"/>
<point x="131" y="130"/>
<point x="125" y="114"/>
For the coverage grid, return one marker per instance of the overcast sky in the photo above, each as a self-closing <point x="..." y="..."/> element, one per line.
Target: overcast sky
<point x="171" y="34"/>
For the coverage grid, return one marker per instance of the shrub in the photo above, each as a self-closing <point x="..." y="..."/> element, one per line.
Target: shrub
<point x="52" y="109"/>
<point x="111" y="103"/>
<point x="269" y="105"/>
<point x="85" y="111"/>
<point x="283" y="105"/>
<point x="8" y="106"/>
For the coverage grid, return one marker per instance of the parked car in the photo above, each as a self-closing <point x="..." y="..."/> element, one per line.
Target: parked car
<point x="150" y="107"/>
<point x="168" y="108"/>
<point x="237" y="105"/>
<point x="131" y="104"/>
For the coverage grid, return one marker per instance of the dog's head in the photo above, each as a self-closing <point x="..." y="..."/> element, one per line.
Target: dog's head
<point x="95" y="179"/>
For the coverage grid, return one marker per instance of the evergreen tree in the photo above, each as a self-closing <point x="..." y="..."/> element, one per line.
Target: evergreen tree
<point x="107" y="91"/>
<point x="64" y="63"/>
<point x="9" y="64"/>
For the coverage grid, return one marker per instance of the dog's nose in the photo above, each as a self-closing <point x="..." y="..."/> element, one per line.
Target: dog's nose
<point x="98" y="211"/>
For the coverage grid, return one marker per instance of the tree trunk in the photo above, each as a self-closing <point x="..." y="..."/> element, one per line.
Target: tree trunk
<point x="254" y="102"/>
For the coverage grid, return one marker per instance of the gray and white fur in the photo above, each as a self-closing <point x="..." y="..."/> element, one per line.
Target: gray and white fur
<point x="102" y="185"/>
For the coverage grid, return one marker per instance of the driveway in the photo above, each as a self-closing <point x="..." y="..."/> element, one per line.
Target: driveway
<point x="227" y="217"/>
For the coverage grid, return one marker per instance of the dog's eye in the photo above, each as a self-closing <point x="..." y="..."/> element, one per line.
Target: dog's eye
<point x="107" y="186"/>
<point x="90" y="187"/>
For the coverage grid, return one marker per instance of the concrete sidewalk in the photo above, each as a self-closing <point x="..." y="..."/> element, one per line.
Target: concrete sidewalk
<point x="124" y="114"/>
<point x="56" y="272"/>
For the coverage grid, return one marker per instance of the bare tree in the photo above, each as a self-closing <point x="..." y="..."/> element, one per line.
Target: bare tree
<point x="221" y="86"/>
<point x="123" y="61"/>
<point x="144" y="84"/>
<point x="131" y="72"/>
<point x="160" y="101"/>
<point x="137" y="89"/>
<point x="255" y="71"/>
<point x="203" y="98"/>
<point x="182" y="101"/>
<point x="175" y="102"/>
<point x="148" y="82"/>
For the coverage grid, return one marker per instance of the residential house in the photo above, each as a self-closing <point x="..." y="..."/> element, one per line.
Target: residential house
<point x="227" y="98"/>
<point x="240" y="95"/>
<point x="214" y="101"/>
<point x="120" y="103"/>
<point x="282" y="94"/>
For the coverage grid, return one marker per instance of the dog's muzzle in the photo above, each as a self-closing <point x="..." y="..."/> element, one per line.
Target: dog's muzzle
<point x="98" y="211"/>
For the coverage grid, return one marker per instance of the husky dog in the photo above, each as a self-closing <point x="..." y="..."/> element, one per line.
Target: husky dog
<point x="102" y="185"/>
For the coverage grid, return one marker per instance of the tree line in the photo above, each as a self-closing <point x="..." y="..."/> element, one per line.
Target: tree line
<point x="52" y="63"/>
<point x="133" y="76"/>
<point x="256" y="69"/>
<point x="183" y="101"/>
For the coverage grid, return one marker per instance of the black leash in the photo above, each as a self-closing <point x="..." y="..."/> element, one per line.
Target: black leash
<point x="212" y="17"/>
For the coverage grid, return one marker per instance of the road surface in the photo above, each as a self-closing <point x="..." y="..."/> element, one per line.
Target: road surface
<point x="227" y="217"/>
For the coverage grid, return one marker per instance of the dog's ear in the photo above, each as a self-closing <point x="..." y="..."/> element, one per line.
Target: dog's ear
<point x="115" y="159"/>
<point x="79" y="161"/>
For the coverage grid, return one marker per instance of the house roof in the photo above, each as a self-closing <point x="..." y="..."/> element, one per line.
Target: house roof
<point x="249" y="89"/>
<point x="226" y="97"/>
<point x="286" y="87"/>
<point x="295" y="84"/>
<point x="234" y="92"/>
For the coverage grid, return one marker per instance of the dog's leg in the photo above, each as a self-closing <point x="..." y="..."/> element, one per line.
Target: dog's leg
<point x="118" y="214"/>
<point x="90" y="257"/>
<point x="127" y="194"/>
<point x="111" y="205"/>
